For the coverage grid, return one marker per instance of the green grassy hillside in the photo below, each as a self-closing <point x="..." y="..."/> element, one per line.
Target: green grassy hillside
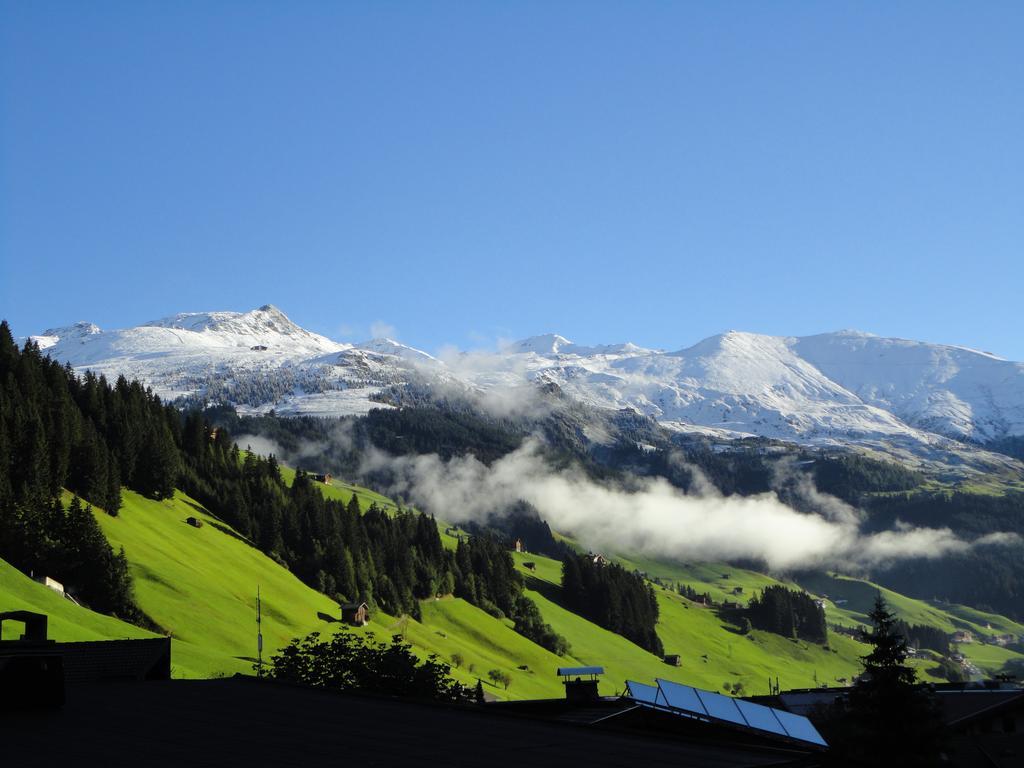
<point x="847" y="603"/>
<point x="71" y="623"/>
<point x="712" y="652"/>
<point x="200" y="585"/>
<point x="67" y="621"/>
<point x="342" y="491"/>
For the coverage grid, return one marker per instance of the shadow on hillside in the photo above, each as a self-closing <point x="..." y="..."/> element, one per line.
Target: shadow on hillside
<point x="233" y="534"/>
<point x="327" y="617"/>
<point x="196" y="507"/>
<point x="548" y="590"/>
<point x="216" y="523"/>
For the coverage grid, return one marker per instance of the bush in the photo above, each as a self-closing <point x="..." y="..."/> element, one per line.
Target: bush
<point x="350" y="662"/>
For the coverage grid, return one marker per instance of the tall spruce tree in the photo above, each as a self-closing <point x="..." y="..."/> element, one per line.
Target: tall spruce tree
<point x="891" y="719"/>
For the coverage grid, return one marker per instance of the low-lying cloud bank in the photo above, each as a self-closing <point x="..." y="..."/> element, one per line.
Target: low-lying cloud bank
<point x="657" y="519"/>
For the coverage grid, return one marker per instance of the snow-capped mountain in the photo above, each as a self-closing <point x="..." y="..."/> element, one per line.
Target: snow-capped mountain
<point x="842" y="385"/>
<point x="258" y="360"/>
<point x="831" y="388"/>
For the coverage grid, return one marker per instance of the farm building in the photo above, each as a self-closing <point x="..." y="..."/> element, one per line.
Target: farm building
<point x="962" y="636"/>
<point x="53" y="584"/>
<point x="324" y="478"/>
<point x="357" y="614"/>
<point x="672" y="659"/>
<point x="519" y="545"/>
<point x="195" y="522"/>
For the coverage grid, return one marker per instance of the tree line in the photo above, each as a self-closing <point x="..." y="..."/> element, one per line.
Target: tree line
<point x="486" y="576"/>
<point x="57" y="432"/>
<point x="787" y="612"/>
<point x="612" y="597"/>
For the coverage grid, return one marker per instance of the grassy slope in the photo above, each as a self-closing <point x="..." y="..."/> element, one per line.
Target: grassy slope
<point x="343" y="492"/>
<point x="692" y="631"/>
<point x="67" y="621"/>
<point x="858" y="596"/>
<point x="200" y="584"/>
<point x="750" y="661"/>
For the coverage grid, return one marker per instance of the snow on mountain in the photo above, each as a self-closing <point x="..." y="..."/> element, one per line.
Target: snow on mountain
<point x="950" y="390"/>
<point x="553" y="344"/>
<point x="394" y="349"/>
<point x="734" y="383"/>
<point x="830" y="388"/>
<point x="548" y="344"/>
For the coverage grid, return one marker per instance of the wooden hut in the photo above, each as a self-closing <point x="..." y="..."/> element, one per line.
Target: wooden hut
<point x="357" y="614"/>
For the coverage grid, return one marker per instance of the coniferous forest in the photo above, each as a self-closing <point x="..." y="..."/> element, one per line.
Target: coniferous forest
<point x="59" y="432"/>
<point x="789" y="613"/>
<point x="609" y="595"/>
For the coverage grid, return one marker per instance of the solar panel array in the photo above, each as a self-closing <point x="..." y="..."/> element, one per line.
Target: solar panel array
<point x="687" y="701"/>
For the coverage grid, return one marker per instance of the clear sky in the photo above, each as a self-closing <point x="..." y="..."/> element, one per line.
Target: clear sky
<point x="454" y="173"/>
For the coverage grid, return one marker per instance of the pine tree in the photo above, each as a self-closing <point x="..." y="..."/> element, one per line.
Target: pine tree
<point x="892" y="719"/>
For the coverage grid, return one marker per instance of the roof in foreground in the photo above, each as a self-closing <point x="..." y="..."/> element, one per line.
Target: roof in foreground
<point x="571" y="671"/>
<point x="244" y="722"/>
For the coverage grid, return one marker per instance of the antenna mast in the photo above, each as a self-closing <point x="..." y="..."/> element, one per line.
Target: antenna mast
<point x="259" y="634"/>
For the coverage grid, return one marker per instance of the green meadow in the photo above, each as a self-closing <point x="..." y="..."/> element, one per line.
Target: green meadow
<point x="199" y="585"/>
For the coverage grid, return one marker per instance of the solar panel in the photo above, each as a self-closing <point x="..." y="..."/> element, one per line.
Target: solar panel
<point x="720" y="707"/>
<point x="799" y="727"/>
<point x="695" y="702"/>
<point x="681" y="697"/>
<point x="761" y="717"/>
<point x="647" y="694"/>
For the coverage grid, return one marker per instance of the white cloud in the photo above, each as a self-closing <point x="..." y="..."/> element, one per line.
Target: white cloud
<point x="382" y="330"/>
<point x="658" y="519"/>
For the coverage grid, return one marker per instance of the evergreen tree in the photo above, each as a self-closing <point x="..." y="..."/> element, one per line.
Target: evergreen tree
<point x="890" y="718"/>
<point x="609" y="595"/>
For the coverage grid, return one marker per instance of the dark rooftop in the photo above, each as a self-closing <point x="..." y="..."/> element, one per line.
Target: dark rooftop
<point x="241" y="721"/>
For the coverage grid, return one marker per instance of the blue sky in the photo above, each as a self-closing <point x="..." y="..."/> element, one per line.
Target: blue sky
<point x="459" y="172"/>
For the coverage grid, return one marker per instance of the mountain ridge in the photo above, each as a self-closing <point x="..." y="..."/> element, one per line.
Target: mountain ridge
<point x="822" y="389"/>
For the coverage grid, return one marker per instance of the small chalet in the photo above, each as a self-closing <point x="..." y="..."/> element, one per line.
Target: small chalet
<point x="962" y="636"/>
<point x="519" y="545"/>
<point x="325" y="478"/>
<point x="598" y="559"/>
<point x="53" y="584"/>
<point x="357" y="614"/>
<point x="195" y="522"/>
<point x="673" y="660"/>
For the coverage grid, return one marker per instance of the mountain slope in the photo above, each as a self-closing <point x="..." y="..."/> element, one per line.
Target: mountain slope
<point x="829" y="389"/>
